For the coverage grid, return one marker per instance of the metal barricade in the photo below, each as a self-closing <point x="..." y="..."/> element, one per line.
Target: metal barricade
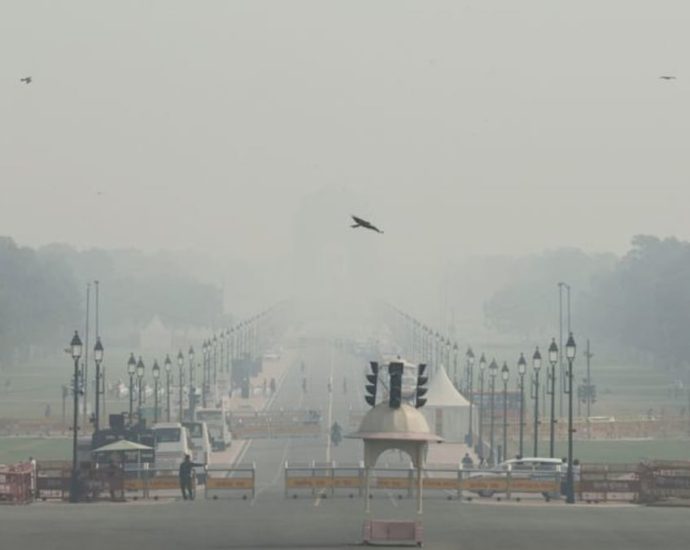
<point x="488" y="482"/>
<point x="153" y="483"/>
<point x="15" y="484"/>
<point x="225" y="482"/>
<point x="607" y="482"/>
<point x="53" y="479"/>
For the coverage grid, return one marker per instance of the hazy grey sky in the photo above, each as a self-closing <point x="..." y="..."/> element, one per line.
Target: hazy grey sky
<point x="482" y="126"/>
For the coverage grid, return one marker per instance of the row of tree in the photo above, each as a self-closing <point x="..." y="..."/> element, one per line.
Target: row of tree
<point x="42" y="295"/>
<point x="638" y="302"/>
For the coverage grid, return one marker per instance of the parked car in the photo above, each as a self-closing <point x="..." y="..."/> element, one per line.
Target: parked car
<point x="523" y="468"/>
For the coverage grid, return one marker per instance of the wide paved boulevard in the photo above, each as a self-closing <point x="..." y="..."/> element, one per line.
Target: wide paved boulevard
<point x="272" y="521"/>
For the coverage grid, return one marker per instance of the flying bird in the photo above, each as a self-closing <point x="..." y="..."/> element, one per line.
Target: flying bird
<point x="26" y="79"/>
<point x="667" y="77"/>
<point x="359" y="222"/>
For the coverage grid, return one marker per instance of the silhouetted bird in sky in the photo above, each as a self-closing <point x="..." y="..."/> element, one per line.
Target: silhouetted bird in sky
<point x="26" y="80"/>
<point x="359" y="222"/>
<point x="667" y="77"/>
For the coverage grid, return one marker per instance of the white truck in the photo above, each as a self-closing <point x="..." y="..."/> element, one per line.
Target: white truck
<point x="217" y="427"/>
<point x="172" y="444"/>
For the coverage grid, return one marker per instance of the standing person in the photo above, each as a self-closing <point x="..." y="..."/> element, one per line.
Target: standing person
<point x="186" y="474"/>
<point x="115" y="479"/>
<point x="273" y="386"/>
<point x="467" y="461"/>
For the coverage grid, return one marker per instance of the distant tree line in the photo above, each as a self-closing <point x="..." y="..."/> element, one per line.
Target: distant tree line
<point x="640" y="301"/>
<point x="42" y="295"/>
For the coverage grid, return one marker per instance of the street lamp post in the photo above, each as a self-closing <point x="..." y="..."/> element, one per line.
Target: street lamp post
<point x="140" y="380"/>
<point x="192" y="397"/>
<point x="215" y="363"/>
<point x="482" y="367"/>
<point x="156" y="374"/>
<point x="522" y="368"/>
<point x="553" y="359"/>
<point x="536" y="366"/>
<point x="168" y="365"/>
<point x="570" y="356"/>
<point x="180" y="379"/>
<point x="98" y="358"/>
<point x="504" y="376"/>
<point x="470" y="375"/>
<point x="455" y="366"/>
<point x="493" y="371"/>
<point x="131" y="369"/>
<point x="206" y="358"/>
<point x="75" y="347"/>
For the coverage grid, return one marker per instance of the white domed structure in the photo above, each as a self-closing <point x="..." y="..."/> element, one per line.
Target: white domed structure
<point x="404" y="423"/>
<point x="384" y="428"/>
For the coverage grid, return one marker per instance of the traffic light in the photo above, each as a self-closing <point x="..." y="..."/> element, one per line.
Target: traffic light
<point x="395" y="371"/>
<point x="420" y="401"/>
<point x="373" y="380"/>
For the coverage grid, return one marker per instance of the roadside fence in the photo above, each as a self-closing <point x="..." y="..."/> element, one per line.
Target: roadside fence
<point x="223" y="482"/>
<point x="15" y="484"/>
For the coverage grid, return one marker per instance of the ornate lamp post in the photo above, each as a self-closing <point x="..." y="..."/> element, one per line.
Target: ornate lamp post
<point x="456" y="381"/>
<point x="98" y="358"/>
<point x="493" y="371"/>
<point x="504" y="376"/>
<point x="180" y="379"/>
<point x="206" y="358"/>
<point x="156" y="375"/>
<point x="140" y="380"/>
<point x="469" y="355"/>
<point x="482" y="368"/>
<point x="192" y="389"/>
<point x="215" y="362"/>
<point x="522" y="368"/>
<point x="570" y="356"/>
<point x="536" y="367"/>
<point x="75" y="349"/>
<point x="553" y="359"/>
<point x="131" y="369"/>
<point x="167" y="364"/>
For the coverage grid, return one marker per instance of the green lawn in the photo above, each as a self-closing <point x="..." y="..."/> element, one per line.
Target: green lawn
<point x="626" y="451"/>
<point x="18" y="449"/>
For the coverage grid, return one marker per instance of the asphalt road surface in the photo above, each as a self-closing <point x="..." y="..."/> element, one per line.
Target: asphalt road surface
<point x="272" y="521"/>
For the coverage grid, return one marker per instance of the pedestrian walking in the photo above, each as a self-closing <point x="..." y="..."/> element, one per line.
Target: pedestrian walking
<point x="186" y="477"/>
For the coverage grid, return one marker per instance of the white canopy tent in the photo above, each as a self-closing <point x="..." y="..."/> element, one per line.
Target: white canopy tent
<point x="447" y="412"/>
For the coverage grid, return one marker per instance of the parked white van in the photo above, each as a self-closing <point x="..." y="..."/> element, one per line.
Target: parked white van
<point x="172" y="444"/>
<point x="217" y="427"/>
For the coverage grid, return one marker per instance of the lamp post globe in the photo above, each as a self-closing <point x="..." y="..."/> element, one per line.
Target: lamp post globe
<point x="75" y="351"/>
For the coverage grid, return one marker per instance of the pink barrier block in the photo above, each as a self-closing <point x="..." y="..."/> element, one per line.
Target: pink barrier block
<point x="377" y="530"/>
